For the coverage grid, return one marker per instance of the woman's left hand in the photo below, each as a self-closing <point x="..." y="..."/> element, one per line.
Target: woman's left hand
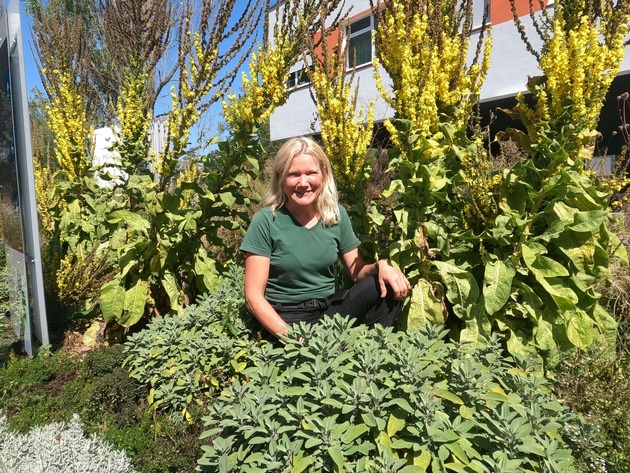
<point x="389" y="275"/>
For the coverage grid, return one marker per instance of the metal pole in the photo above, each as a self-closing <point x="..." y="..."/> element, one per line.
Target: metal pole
<point x="24" y="153"/>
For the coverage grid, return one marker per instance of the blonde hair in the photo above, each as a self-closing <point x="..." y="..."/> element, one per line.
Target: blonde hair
<point x="327" y="202"/>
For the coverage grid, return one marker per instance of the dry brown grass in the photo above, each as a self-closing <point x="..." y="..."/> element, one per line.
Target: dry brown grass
<point x="616" y="296"/>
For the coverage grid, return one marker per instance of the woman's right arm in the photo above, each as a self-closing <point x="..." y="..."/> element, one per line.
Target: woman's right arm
<point x="256" y="275"/>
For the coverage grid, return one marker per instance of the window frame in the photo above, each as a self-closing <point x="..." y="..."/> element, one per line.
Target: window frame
<point x="353" y="34"/>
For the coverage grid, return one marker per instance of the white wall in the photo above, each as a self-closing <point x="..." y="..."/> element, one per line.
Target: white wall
<point x="105" y="160"/>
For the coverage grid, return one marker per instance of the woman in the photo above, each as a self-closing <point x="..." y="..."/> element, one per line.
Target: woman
<point x="293" y="243"/>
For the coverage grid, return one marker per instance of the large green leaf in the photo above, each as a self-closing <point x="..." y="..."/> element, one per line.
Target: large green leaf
<point x="396" y="185"/>
<point x="133" y="220"/>
<point x="73" y="214"/>
<point x="607" y="326"/>
<point x="172" y="290"/>
<point x="112" y="300"/>
<point x="617" y="248"/>
<point x="564" y="297"/>
<point x="134" y="303"/>
<point x="402" y="219"/>
<point x="497" y="284"/>
<point x="514" y="192"/>
<point x="477" y="325"/>
<point x="529" y="296"/>
<point x="564" y="212"/>
<point x="520" y="342"/>
<point x="542" y="266"/>
<point x="438" y="234"/>
<point x="543" y="334"/>
<point x="579" y="249"/>
<point x="425" y="307"/>
<point x="437" y="176"/>
<point x="580" y="328"/>
<point x="127" y="259"/>
<point x="531" y="250"/>
<point x="589" y="222"/>
<point x="189" y="224"/>
<point x="228" y="199"/>
<point x="205" y="269"/>
<point x="461" y="287"/>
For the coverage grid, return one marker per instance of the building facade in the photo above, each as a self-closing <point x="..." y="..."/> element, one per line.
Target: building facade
<point x="510" y="66"/>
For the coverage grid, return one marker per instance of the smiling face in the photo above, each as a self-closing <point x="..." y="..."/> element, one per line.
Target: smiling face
<point x="303" y="182"/>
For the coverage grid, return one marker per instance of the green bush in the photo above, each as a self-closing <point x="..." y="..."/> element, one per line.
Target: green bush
<point x="158" y="443"/>
<point x="357" y="399"/>
<point x="29" y="388"/>
<point x="187" y="358"/>
<point x="103" y="360"/>
<point x="110" y="389"/>
<point x="115" y="393"/>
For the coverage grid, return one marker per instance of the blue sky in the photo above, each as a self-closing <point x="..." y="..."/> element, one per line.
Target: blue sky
<point x="32" y="76"/>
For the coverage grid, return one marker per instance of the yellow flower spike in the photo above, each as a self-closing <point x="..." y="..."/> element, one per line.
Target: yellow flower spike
<point x="67" y="112"/>
<point x="264" y="89"/>
<point x="579" y="65"/>
<point x="426" y="83"/>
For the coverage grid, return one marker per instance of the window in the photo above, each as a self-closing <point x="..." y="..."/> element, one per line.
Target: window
<point x="360" y="47"/>
<point x="297" y="78"/>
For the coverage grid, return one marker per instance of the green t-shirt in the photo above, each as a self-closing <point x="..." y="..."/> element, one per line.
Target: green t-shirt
<point x="302" y="259"/>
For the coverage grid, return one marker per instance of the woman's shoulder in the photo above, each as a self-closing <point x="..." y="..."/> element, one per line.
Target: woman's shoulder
<point x="343" y="213"/>
<point x="268" y="216"/>
<point x="264" y="213"/>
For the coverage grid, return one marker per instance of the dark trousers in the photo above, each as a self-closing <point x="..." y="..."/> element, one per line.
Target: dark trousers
<point x="362" y="302"/>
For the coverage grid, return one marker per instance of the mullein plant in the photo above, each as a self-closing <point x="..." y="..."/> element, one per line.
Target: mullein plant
<point x="581" y="54"/>
<point x="423" y="47"/>
<point x="583" y="48"/>
<point x="69" y="122"/>
<point x="69" y="217"/>
<point x="346" y="128"/>
<point x="515" y="251"/>
<point x="263" y="91"/>
<point x="566" y="223"/>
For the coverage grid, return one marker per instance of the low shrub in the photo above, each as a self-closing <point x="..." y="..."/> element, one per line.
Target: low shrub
<point x="187" y="359"/>
<point x="103" y="360"/>
<point x="158" y="443"/>
<point x="343" y="398"/>
<point x="115" y="393"/>
<point x="58" y="448"/>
